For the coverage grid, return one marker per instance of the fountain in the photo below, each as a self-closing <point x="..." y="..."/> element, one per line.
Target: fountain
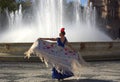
<point x="48" y="17"/>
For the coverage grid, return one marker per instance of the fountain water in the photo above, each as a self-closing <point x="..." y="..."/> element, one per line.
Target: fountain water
<point x="48" y="17"/>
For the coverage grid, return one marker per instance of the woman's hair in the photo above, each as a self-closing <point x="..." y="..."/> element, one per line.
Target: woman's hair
<point x="62" y="31"/>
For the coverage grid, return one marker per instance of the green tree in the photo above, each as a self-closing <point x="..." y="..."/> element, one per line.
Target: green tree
<point x="11" y="5"/>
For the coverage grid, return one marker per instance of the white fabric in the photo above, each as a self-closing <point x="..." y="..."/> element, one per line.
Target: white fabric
<point x="63" y="59"/>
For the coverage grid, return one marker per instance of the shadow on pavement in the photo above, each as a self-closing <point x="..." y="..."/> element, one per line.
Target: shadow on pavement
<point x="80" y="80"/>
<point x="86" y="80"/>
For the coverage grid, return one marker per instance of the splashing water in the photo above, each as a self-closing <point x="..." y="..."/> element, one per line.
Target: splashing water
<point x="48" y="17"/>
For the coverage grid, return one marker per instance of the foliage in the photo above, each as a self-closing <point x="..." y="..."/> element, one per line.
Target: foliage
<point x="11" y="5"/>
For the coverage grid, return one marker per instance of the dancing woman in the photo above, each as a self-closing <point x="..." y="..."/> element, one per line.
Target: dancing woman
<point x="66" y="62"/>
<point x="61" y="41"/>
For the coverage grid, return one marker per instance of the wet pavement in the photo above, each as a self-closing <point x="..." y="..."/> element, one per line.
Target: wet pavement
<point x="37" y="72"/>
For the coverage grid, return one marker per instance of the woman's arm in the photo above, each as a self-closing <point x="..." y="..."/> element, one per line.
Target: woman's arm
<point x="52" y="39"/>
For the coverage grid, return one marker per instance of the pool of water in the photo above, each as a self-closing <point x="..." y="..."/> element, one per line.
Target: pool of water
<point x="108" y="71"/>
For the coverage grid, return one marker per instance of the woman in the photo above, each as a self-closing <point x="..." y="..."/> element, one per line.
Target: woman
<point x="61" y="41"/>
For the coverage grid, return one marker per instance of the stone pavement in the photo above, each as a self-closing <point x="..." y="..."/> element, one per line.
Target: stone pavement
<point x="37" y="72"/>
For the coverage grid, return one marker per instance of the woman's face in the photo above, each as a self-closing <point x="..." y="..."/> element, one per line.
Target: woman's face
<point x="60" y="34"/>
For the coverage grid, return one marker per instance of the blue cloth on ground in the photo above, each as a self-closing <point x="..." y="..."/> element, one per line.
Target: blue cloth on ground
<point x="57" y="75"/>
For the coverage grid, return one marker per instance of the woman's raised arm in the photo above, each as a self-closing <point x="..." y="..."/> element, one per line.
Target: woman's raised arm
<point x="52" y="39"/>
